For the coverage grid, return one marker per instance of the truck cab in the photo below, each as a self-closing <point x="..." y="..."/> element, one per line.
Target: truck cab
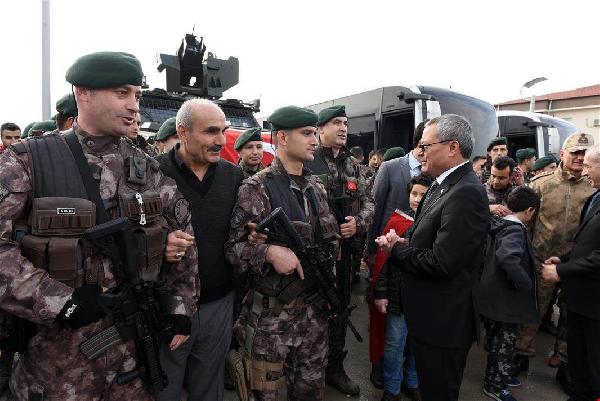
<point x="386" y="117"/>
<point x="542" y="132"/>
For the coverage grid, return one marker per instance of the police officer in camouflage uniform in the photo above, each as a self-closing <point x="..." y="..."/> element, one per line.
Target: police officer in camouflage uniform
<point x="66" y="112"/>
<point x="563" y="194"/>
<point x="351" y="202"/>
<point x="499" y="186"/>
<point x="250" y="148"/>
<point x="138" y="140"/>
<point x="166" y="137"/>
<point x="284" y="341"/>
<point x="51" y="276"/>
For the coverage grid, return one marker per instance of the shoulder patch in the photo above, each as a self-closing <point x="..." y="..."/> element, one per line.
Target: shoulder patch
<point x="182" y="211"/>
<point x="4" y="192"/>
<point x="237" y="217"/>
<point x="547" y="173"/>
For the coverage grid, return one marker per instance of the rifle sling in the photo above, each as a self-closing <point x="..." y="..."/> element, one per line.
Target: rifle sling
<point x="85" y="172"/>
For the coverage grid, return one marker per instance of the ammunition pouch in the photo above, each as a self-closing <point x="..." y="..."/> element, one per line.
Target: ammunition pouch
<point x="55" y="241"/>
<point x="265" y="376"/>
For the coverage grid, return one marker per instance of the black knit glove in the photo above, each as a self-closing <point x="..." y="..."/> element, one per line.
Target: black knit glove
<point x="83" y="308"/>
<point x="182" y="324"/>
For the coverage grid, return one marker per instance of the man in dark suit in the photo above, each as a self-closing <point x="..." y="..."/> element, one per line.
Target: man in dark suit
<point x="441" y="260"/>
<point x="579" y="272"/>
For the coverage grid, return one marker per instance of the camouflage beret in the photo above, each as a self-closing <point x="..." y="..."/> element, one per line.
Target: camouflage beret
<point x="289" y="117"/>
<point x="44" y="126"/>
<point x="25" y="132"/>
<point x="166" y="130"/>
<point x="501" y="140"/>
<point x="253" y="134"/>
<point x="105" y="70"/>
<point x="331" y="112"/>
<point x="393" y="153"/>
<point x="67" y="106"/>
<point x="543" y="162"/>
<point x="524" y="154"/>
<point x="577" y="142"/>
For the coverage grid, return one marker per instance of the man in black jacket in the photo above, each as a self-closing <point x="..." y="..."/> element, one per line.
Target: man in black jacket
<point x="441" y="260"/>
<point x="579" y="272"/>
<point x="210" y="185"/>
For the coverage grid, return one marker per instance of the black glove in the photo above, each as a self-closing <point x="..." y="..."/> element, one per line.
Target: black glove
<point x="83" y="308"/>
<point x="182" y="324"/>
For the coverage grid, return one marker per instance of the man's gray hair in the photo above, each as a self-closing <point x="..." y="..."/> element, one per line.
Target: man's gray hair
<point x="594" y="151"/>
<point x="184" y="115"/>
<point x="452" y="127"/>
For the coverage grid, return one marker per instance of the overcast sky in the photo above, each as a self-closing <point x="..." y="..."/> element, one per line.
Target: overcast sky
<point x="305" y="52"/>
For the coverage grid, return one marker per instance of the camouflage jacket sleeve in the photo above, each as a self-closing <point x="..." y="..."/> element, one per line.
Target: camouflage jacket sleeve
<point x="25" y="291"/>
<point x="182" y="277"/>
<point x="364" y="218"/>
<point x="252" y="206"/>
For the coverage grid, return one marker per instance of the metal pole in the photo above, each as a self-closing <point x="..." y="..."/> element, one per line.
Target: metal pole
<point x="532" y="103"/>
<point x="46" y="59"/>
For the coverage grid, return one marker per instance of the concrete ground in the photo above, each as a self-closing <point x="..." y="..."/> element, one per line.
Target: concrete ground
<point x="538" y="385"/>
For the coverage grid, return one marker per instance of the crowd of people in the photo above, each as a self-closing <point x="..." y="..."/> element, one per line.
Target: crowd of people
<point x="138" y="270"/>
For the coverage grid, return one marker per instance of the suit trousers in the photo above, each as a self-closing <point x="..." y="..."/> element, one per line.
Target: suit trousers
<point x="583" y="339"/>
<point x="440" y="370"/>
<point x="198" y="364"/>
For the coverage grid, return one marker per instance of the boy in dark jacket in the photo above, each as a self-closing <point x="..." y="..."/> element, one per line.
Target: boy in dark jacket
<point x="388" y="294"/>
<point x="506" y="294"/>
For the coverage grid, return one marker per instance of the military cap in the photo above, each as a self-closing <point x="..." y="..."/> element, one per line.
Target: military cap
<point x="393" y="153"/>
<point x="48" y="125"/>
<point x="25" y="132"/>
<point x="289" y="117"/>
<point x="67" y="106"/>
<point x="105" y="70"/>
<point x="253" y="134"/>
<point x="577" y="142"/>
<point x="166" y="130"/>
<point x="500" y="140"/>
<point x="328" y="113"/>
<point x="527" y="153"/>
<point x="543" y="162"/>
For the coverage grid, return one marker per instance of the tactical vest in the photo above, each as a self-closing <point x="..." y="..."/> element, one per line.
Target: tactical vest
<point x="288" y="287"/>
<point x="51" y="237"/>
<point x="343" y="192"/>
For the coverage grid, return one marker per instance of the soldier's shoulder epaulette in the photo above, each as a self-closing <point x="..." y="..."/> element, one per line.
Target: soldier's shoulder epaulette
<point x="537" y="177"/>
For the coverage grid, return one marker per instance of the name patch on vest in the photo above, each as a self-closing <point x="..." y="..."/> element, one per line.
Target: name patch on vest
<point x="65" y="210"/>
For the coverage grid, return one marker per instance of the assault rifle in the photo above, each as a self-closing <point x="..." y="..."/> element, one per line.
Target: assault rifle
<point x="138" y="307"/>
<point x="316" y="260"/>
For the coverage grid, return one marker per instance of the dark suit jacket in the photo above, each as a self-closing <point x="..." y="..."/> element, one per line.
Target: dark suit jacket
<point x="441" y="263"/>
<point x="580" y="272"/>
<point x="389" y="193"/>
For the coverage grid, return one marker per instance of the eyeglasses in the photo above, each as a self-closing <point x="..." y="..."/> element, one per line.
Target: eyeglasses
<point x="425" y="146"/>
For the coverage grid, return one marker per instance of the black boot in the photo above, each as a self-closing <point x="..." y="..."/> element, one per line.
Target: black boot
<point x="387" y="396"/>
<point x="564" y="379"/>
<point x="336" y="377"/>
<point x="377" y="375"/>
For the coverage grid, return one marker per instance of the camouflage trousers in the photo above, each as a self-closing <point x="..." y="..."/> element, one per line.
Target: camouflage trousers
<point x="297" y="339"/>
<point x="528" y="332"/>
<point x="500" y="344"/>
<point x="54" y="369"/>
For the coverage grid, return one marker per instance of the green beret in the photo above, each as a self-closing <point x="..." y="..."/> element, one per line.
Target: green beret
<point x="48" y="125"/>
<point x="289" y="117"/>
<point x="543" y="162"/>
<point x="67" y="106"/>
<point x="393" y="153"/>
<point x="105" y="70"/>
<point x="524" y="154"/>
<point x="25" y="132"/>
<point x="166" y="130"/>
<point x="253" y="134"/>
<point x="331" y="112"/>
<point x="501" y="140"/>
